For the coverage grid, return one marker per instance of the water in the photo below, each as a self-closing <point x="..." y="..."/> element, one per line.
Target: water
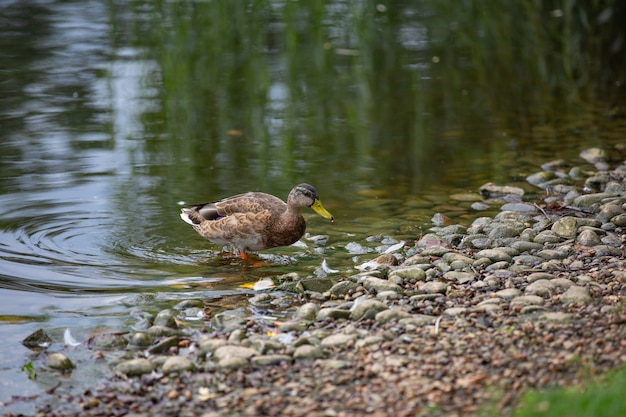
<point x="113" y="115"/>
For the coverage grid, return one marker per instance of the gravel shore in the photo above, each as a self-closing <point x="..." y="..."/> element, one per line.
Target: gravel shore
<point x="461" y="318"/>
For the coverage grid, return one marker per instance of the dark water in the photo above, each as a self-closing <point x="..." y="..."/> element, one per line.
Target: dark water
<point x="113" y="114"/>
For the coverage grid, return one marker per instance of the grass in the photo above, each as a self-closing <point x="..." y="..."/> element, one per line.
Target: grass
<point x="604" y="398"/>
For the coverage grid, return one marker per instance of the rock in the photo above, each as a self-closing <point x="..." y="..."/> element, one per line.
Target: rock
<point x="541" y="287"/>
<point x="539" y="178"/>
<point x="377" y="284"/>
<point x="166" y="318"/>
<point x="526" y="300"/>
<point x="535" y="276"/>
<point x="308" y="352"/>
<point x="495" y="255"/>
<point x="459" y="277"/>
<point x="233" y="363"/>
<point x="338" y="339"/>
<point x="589" y="201"/>
<point x="503" y="231"/>
<point x="619" y="220"/>
<point x="410" y="273"/>
<point x="434" y="287"/>
<point x="492" y="190"/>
<point x="141" y="339"/>
<point x="366" y="309"/>
<point x="59" y="361"/>
<point x="546" y="236"/>
<point x="593" y="155"/>
<point x="177" y="364"/>
<point x="307" y="311"/>
<point x="555" y="316"/>
<point x="565" y="227"/>
<point x="388" y="315"/>
<point x="164" y="345"/>
<point x="454" y="311"/>
<point x="265" y="360"/>
<point x="575" y="295"/>
<point x="588" y="238"/>
<point x="508" y="293"/>
<point x="333" y="313"/>
<point x="343" y="288"/>
<point x="37" y="340"/>
<point x="234" y="351"/>
<point x="520" y="207"/>
<point x="135" y="367"/>
<point x="158" y="331"/>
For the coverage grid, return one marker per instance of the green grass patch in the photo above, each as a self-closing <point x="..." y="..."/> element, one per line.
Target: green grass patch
<point x="603" y="398"/>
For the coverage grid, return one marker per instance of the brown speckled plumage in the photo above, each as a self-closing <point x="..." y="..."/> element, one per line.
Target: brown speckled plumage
<point x="255" y="221"/>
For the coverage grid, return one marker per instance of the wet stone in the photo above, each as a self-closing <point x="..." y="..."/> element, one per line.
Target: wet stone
<point x="619" y="220"/>
<point x="158" y="331"/>
<point x="166" y="318"/>
<point x="546" y="236"/>
<point x="526" y="246"/>
<point x="108" y="341"/>
<point x="59" y="362"/>
<point x="164" y="345"/>
<point x="141" y="339"/>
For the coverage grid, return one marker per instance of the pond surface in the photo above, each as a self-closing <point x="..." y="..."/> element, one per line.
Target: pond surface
<point x="113" y="115"/>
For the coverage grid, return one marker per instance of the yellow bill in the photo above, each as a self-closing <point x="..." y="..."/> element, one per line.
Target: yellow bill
<point x="319" y="209"/>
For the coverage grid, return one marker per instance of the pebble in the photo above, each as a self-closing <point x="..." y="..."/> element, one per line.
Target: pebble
<point x="576" y="294"/>
<point x="266" y="360"/>
<point x="308" y="352"/>
<point x="378" y="284"/>
<point x="177" y="364"/>
<point x="338" y="339"/>
<point x="135" y="367"/>
<point x="233" y="351"/>
<point x="459" y="277"/>
<point x="366" y="309"/>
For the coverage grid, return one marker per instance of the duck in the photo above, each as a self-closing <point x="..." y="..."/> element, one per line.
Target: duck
<point x="255" y="221"/>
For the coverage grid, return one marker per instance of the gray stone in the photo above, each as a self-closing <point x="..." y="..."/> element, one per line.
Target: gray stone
<point x="619" y="220"/>
<point x="454" y="311"/>
<point x="343" y="288"/>
<point x="526" y="300"/>
<point x="433" y="287"/>
<point x="338" y="339"/>
<point x="410" y="273"/>
<point x="589" y="201"/>
<point x="234" y="351"/>
<point x="593" y="155"/>
<point x="575" y="295"/>
<point x="508" y="293"/>
<point x="233" y="362"/>
<point x="333" y="313"/>
<point x="459" y="277"/>
<point x="520" y="207"/>
<point x="306" y="311"/>
<point x="177" y="364"/>
<point x="565" y="227"/>
<point x="588" y="237"/>
<point x="495" y="255"/>
<point x="308" y="352"/>
<point x="503" y="231"/>
<point x="265" y="360"/>
<point x="539" y="178"/>
<point x="366" y="309"/>
<point x="135" y="367"/>
<point x="546" y="236"/>
<point x="388" y="315"/>
<point x="166" y="318"/>
<point x="541" y="287"/>
<point x="377" y="284"/>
